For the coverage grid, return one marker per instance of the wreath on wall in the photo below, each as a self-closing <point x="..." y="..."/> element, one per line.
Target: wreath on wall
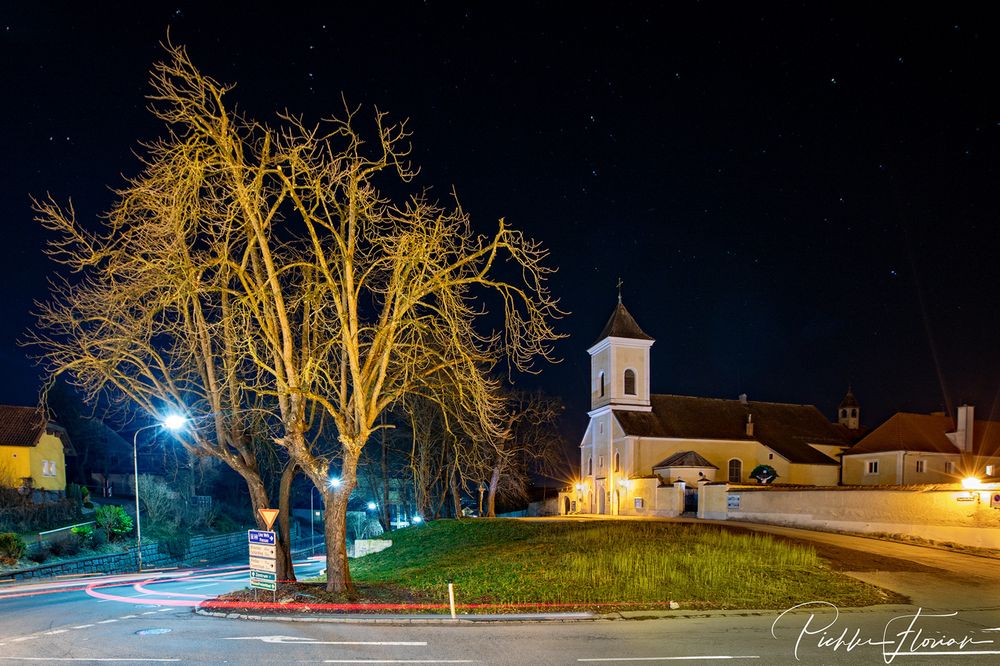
<point x="763" y="474"/>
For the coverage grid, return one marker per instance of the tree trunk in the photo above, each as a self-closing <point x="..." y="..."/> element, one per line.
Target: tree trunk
<point x="456" y="496"/>
<point x="338" y="572"/>
<point x="259" y="500"/>
<point x="492" y="496"/>
<point x="284" y="519"/>
<point x="386" y="516"/>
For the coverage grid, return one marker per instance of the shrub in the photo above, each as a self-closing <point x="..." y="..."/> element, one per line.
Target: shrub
<point x="177" y="544"/>
<point x="68" y="545"/>
<point x="113" y="520"/>
<point x="40" y="556"/>
<point x="11" y="548"/>
<point x="85" y="533"/>
<point x="98" y="538"/>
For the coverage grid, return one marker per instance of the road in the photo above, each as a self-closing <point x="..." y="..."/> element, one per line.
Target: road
<point x="149" y="619"/>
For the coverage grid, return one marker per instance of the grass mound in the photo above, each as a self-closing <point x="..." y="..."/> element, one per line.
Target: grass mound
<point x="605" y="563"/>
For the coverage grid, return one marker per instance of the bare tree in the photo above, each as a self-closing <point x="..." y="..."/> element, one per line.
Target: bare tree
<point x="295" y="283"/>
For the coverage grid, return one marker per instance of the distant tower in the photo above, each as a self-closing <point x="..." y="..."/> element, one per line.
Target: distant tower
<point x="849" y="412"/>
<point x="619" y="364"/>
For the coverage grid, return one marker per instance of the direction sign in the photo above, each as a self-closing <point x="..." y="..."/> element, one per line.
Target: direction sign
<point x="263" y="564"/>
<point x="263" y="584"/>
<point x="260" y="536"/>
<point x="263" y="575"/>
<point x="261" y="550"/>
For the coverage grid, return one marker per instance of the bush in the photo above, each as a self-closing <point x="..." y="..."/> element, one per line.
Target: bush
<point x="11" y="548"/>
<point x="67" y="545"/>
<point x="98" y="538"/>
<point x="177" y="544"/>
<point x="114" y="521"/>
<point x="85" y="533"/>
<point x="39" y="556"/>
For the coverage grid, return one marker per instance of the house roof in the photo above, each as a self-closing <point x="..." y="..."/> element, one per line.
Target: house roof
<point x="622" y="325"/>
<point x="685" y="459"/>
<point x="20" y="426"/>
<point x="786" y="429"/>
<point x="927" y="433"/>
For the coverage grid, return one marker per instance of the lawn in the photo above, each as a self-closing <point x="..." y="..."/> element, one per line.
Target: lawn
<point x="603" y="563"/>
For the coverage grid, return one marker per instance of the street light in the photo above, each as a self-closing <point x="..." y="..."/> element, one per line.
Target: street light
<point x="172" y="422"/>
<point x="372" y="506"/>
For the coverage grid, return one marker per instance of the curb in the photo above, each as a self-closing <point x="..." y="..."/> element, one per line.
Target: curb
<point x="567" y="618"/>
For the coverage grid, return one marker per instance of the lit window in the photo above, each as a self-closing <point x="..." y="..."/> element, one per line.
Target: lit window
<point x="52" y="467"/>
<point x="920" y="466"/>
<point x="872" y="467"/>
<point x="990" y="469"/>
<point x="735" y="471"/>
<point x="45" y="468"/>
<point x="630" y="382"/>
<point x="949" y="467"/>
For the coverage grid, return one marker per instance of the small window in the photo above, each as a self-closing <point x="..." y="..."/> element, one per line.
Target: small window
<point x="600" y="378"/>
<point x="590" y="466"/>
<point x="630" y="382"/>
<point x="872" y="467"/>
<point x="949" y="467"/>
<point x="52" y="467"/>
<point x="990" y="470"/>
<point x="45" y="468"/>
<point x="843" y="413"/>
<point x="854" y="413"/>
<point x="638" y="502"/>
<point x="617" y="461"/>
<point x="600" y="428"/>
<point x="600" y="462"/>
<point x="770" y="456"/>
<point x="920" y="466"/>
<point x="735" y="471"/>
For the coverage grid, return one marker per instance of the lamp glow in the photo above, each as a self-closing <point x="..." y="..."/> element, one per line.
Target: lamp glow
<point x="971" y="482"/>
<point x="174" y="422"/>
<point x="372" y="506"/>
<point x="334" y="482"/>
<point x="417" y="520"/>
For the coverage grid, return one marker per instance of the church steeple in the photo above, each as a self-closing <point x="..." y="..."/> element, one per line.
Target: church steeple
<point x="619" y="363"/>
<point x="849" y="412"/>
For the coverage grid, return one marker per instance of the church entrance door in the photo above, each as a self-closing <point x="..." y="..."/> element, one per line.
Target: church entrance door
<point x="690" y="500"/>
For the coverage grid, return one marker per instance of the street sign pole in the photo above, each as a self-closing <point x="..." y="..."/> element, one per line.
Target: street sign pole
<point x="263" y="546"/>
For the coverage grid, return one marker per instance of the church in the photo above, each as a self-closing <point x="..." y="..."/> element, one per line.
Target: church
<point x="638" y="443"/>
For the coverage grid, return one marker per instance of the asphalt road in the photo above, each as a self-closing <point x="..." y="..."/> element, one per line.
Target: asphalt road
<point x="149" y="619"/>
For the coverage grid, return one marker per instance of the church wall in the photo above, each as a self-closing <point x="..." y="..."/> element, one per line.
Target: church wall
<point x="812" y="475"/>
<point x="601" y="361"/>
<point x="650" y="451"/>
<point x="636" y="359"/>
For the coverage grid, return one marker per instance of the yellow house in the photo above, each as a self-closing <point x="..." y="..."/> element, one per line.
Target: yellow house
<point x="32" y="450"/>
<point x="636" y="435"/>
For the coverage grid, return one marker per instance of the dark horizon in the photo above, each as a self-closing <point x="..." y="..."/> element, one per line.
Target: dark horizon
<point x="797" y="199"/>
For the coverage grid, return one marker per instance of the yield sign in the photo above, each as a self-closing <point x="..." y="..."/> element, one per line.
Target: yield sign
<point x="268" y="515"/>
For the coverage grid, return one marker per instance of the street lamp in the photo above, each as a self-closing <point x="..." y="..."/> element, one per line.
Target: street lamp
<point x="173" y="422"/>
<point x="372" y="506"/>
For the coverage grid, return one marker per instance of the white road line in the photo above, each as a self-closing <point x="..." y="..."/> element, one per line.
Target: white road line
<point x="690" y="658"/>
<point x="127" y="617"/>
<point x="135" y="659"/>
<point x="22" y="638"/>
<point x="54" y="632"/>
<point x="106" y="621"/>
<point x="150" y="612"/>
<point x="82" y="626"/>
<point x="400" y="661"/>
<point x="164" y="610"/>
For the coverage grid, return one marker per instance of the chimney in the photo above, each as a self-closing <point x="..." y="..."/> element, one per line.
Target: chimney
<point x="749" y="425"/>
<point x="743" y="398"/>
<point x="964" y="426"/>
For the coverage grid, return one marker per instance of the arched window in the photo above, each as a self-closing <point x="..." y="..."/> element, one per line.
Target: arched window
<point x="854" y="413"/>
<point x="617" y="462"/>
<point x="735" y="470"/>
<point x="601" y="379"/>
<point x="630" y="382"/>
<point x="590" y="465"/>
<point x="843" y="413"/>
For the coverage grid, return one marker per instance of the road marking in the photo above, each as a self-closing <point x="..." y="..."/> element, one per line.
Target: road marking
<point x="54" y="632"/>
<point x="294" y="640"/>
<point x="82" y="626"/>
<point x="127" y="617"/>
<point x="690" y="658"/>
<point x="22" y="638"/>
<point x="106" y="621"/>
<point x="137" y="659"/>
<point x="164" y="610"/>
<point x="400" y="661"/>
<point x="150" y="612"/>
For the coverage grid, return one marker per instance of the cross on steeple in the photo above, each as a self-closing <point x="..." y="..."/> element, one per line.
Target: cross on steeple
<point x="620" y="283"/>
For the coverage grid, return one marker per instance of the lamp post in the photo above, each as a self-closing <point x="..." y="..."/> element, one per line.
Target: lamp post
<point x="173" y="422"/>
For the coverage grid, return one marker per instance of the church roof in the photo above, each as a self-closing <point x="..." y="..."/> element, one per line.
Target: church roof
<point x="927" y="433"/>
<point x="685" y="459"/>
<point x="849" y="400"/>
<point x="622" y="325"/>
<point x="784" y="428"/>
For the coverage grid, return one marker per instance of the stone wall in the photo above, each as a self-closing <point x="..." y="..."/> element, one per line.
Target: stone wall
<point x="936" y="513"/>
<point x="202" y="550"/>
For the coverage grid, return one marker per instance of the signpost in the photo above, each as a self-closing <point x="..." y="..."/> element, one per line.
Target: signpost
<point x="263" y="554"/>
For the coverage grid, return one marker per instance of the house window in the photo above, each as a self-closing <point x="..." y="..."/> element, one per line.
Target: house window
<point x="871" y="467"/>
<point x="920" y="466"/>
<point x="600" y="378"/>
<point x="990" y="470"/>
<point x="52" y="467"/>
<point x="45" y="468"/>
<point x="735" y="471"/>
<point x="617" y="461"/>
<point x="630" y="382"/>
<point x="590" y="466"/>
<point x="949" y="467"/>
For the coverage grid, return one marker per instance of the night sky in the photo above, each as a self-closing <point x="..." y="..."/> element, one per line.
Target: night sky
<point x="796" y="198"/>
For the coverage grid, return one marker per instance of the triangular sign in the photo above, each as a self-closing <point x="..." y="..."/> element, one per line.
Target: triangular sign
<point x="268" y="515"/>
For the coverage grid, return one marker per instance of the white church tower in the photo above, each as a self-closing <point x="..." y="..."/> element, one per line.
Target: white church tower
<point x="619" y="381"/>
